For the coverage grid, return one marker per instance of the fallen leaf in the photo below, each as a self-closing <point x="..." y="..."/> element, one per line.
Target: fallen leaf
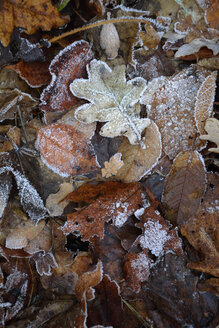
<point x="139" y="161"/>
<point x="5" y="188"/>
<point x="112" y="167"/>
<point x="211" y="14"/>
<point x="170" y="103"/>
<point x="44" y="263"/>
<point x="115" y="204"/>
<point x="30" y="16"/>
<point x="194" y="46"/>
<point x="202" y="232"/>
<point x="212" y="128"/>
<point x="22" y="234"/>
<point x="108" y="103"/>
<point x="137" y="269"/>
<point x="56" y="203"/>
<point x="184" y="187"/>
<point x="65" y="150"/>
<point x="35" y="74"/>
<point x="68" y="65"/>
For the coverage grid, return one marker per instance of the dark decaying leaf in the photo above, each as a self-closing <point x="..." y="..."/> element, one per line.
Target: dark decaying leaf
<point x="184" y="187"/>
<point x="5" y="188"/>
<point x="68" y="65"/>
<point x="29" y="197"/>
<point x="66" y="150"/>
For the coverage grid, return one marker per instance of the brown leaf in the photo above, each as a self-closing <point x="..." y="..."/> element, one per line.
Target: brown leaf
<point x="202" y="233"/>
<point x="68" y="65"/>
<point x="66" y="150"/>
<point x="171" y="103"/>
<point x="35" y="74"/>
<point x="136" y="269"/>
<point x="139" y="161"/>
<point x="184" y="187"/>
<point x="30" y="16"/>
<point x="212" y="14"/>
<point x="116" y="205"/>
<point x="212" y="128"/>
<point x="112" y="167"/>
<point x="204" y="101"/>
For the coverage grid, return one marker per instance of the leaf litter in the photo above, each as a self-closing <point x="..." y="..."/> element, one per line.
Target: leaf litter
<point x="144" y="115"/>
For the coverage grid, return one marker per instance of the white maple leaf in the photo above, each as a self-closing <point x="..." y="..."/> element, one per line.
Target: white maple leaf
<point x="112" y="100"/>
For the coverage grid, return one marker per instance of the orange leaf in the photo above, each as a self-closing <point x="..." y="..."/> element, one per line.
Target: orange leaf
<point x="116" y="203"/>
<point x="212" y="14"/>
<point x="29" y="15"/>
<point x="35" y="74"/>
<point x="68" y="65"/>
<point x="66" y="150"/>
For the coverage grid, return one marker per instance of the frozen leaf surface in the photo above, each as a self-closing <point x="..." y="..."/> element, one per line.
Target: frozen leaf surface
<point x="212" y="128"/>
<point x="112" y="100"/>
<point x="184" y="187"/>
<point x="65" y="150"/>
<point x="204" y="101"/>
<point x="171" y="104"/>
<point x="68" y="65"/>
<point x="139" y="161"/>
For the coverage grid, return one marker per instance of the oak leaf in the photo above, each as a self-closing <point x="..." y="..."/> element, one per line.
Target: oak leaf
<point x="66" y="150"/>
<point x="70" y="63"/>
<point x="184" y="187"/>
<point x="116" y="203"/>
<point x="112" y="100"/>
<point x="29" y="15"/>
<point x="112" y="167"/>
<point x="212" y="128"/>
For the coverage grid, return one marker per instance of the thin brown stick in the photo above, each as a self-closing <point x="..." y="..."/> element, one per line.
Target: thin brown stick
<point x="96" y="24"/>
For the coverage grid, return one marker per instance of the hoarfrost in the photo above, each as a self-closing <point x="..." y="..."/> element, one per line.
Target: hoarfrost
<point x="121" y="217"/>
<point x="141" y="265"/>
<point x="154" y="237"/>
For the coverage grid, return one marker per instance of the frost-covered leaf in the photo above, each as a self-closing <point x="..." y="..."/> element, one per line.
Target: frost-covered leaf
<point x="44" y="263"/>
<point x="112" y="100"/>
<point x="66" y="150"/>
<point x="29" y="197"/>
<point x="204" y="101"/>
<point x="184" y="187"/>
<point x="22" y="234"/>
<point x="195" y="45"/>
<point x="171" y="104"/>
<point x="56" y="203"/>
<point x="5" y="188"/>
<point x="139" y="161"/>
<point x="112" y="167"/>
<point x="69" y="64"/>
<point x="116" y="202"/>
<point x="212" y="128"/>
<point x="11" y="99"/>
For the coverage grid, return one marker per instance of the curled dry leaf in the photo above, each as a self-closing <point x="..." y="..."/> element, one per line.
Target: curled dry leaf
<point x="171" y="103"/>
<point x="112" y="100"/>
<point x="112" y="167"/>
<point x="56" y="203"/>
<point x="65" y="150"/>
<point x="184" y="187"/>
<point x="35" y="74"/>
<point x="68" y="65"/>
<point x="202" y="232"/>
<point x="139" y="161"/>
<point x="116" y="203"/>
<point x="212" y="128"/>
<point x="30" y="16"/>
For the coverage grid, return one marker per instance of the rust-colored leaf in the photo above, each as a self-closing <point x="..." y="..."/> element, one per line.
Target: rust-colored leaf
<point x="212" y="14"/>
<point x="68" y="65"/>
<point x="184" y="187"/>
<point x="204" y="101"/>
<point x="30" y="15"/>
<point x="115" y="204"/>
<point x="35" y="74"/>
<point x="139" y="161"/>
<point x="202" y="232"/>
<point x="66" y="150"/>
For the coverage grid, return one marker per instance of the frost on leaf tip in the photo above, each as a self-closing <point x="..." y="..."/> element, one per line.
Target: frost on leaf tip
<point x="112" y="100"/>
